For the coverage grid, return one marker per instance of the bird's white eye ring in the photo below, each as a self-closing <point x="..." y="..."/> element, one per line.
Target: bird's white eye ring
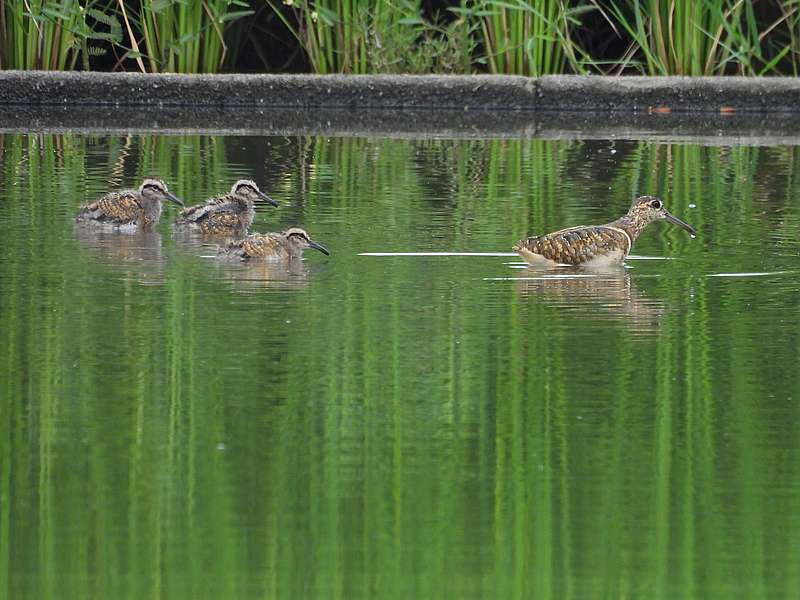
<point x="656" y="204"/>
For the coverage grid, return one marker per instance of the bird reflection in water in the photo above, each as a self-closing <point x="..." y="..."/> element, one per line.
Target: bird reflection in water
<point x="606" y="295"/>
<point x="291" y="274"/>
<point x="138" y="254"/>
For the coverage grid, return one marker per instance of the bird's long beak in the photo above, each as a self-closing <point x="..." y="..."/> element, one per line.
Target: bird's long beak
<point x="267" y="199"/>
<point x="173" y="198"/>
<point x="320" y="247"/>
<point x="676" y="221"/>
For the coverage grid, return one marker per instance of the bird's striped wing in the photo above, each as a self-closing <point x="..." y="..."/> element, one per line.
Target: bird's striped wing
<point x="217" y="215"/>
<point x="116" y="207"/>
<point x="256" y="246"/>
<point x="219" y="221"/>
<point x="577" y="245"/>
<point x="195" y="213"/>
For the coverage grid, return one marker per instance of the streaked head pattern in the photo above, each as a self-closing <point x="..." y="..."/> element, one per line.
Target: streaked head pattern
<point x="648" y="209"/>
<point x="247" y="189"/>
<point x="156" y="190"/>
<point x="300" y="239"/>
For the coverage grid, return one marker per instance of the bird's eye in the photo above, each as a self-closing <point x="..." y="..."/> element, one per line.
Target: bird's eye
<point x="656" y="204"/>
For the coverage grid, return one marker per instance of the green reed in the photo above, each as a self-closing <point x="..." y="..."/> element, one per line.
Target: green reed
<point x="187" y="37"/>
<point x="360" y="36"/>
<point x="55" y="34"/>
<point x="530" y="38"/>
<point x="680" y="37"/>
<point x="170" y="35"/>
<point x="334" y="34"/>
<point x="706" y="37"/>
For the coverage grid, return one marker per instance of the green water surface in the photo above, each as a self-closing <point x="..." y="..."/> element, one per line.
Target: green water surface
<point x="173" y="426"/>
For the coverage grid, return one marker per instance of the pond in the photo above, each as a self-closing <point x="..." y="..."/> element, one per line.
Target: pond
<point x="400" y="426"/>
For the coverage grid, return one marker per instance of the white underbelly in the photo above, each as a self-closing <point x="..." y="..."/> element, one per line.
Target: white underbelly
<point x="615" y="257"/>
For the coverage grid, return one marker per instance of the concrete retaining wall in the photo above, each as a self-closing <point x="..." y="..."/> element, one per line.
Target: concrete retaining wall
<point x="479" y="92"/>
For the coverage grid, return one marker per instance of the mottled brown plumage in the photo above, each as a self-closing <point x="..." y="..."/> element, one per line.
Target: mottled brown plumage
<point x="597" y="245"/>
<point x="228" y="214"/>
<point x="284" y="246"/>
<point x="128" y="208"/>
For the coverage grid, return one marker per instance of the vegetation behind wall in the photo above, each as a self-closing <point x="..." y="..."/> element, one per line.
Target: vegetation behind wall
<point x="534" y="37"/>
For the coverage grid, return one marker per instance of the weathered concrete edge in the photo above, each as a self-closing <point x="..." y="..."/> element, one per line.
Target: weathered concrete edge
<point x="477" y="92"/>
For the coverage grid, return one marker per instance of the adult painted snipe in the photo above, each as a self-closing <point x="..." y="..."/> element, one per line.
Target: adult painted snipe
<point x="129" y="209"/>
<point x="228" y="214"/>
<point x="597" y="245"/>
<point x="286" y="245"/>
